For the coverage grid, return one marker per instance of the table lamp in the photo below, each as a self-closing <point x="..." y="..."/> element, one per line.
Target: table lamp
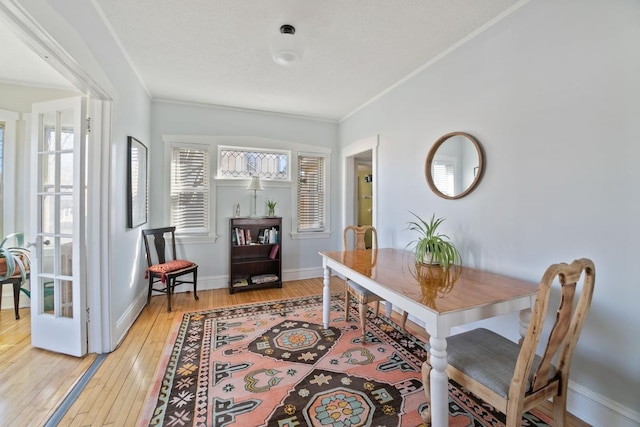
<point x="256" y="186"/>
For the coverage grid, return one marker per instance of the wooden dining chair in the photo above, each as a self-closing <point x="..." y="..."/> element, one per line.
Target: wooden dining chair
<point x="363" y="296"/>
<point x="512" y="377"/>
<point x="165" y="271"/>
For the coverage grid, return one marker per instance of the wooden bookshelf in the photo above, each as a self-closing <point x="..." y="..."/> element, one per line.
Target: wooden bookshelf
<point x="255" y="253"/>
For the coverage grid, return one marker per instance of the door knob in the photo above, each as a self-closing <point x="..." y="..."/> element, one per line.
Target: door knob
<point x="30" y="244"/>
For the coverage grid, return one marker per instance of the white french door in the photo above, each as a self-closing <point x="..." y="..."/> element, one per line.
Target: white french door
<point x="58" y="275"/>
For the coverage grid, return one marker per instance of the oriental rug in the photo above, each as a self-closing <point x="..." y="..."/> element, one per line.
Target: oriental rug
<point x="273" y="364"/>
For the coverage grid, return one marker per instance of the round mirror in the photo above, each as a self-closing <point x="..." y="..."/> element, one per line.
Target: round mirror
<point x="454" y="165"/>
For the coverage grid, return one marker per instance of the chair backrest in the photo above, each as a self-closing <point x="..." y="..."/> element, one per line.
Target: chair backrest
<point x="359" y="239"/>
<point x="564" y="334"/>
<point x="160" y="237"/>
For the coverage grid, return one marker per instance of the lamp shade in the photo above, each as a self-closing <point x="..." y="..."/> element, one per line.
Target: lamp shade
<point x="255" y="184"/>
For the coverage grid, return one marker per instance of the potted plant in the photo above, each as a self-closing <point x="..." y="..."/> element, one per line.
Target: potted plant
<point x="432" y="247"/>
<point x="272" y="207"/>
<point x="14" y="259"/>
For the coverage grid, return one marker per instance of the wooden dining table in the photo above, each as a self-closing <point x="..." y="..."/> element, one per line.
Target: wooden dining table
<point x="461" y="296"/>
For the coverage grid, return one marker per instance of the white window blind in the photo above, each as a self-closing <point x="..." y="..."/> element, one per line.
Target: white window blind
<point x="190" y="189"/>
<point x="443" y="177"/>
<point x="311" y="193"/>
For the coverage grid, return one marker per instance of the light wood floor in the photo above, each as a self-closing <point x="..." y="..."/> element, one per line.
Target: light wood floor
<point x="34" y="382"/>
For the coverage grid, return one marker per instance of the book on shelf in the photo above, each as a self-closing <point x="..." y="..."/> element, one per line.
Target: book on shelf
<point x="273" y="235"/>
<point x="239" y="282"/>
<point x="263" y="236"/>
<point x="264" y="278"/>
<point x="274" y="251"/>
<point x="240" y="236"/>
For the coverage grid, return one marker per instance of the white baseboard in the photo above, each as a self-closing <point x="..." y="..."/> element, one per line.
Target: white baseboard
<point x="597" y="410"/>
<point x="124" y="323"/>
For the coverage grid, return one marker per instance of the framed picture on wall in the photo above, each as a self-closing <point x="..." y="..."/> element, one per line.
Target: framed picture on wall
<point x="136" y="183"/>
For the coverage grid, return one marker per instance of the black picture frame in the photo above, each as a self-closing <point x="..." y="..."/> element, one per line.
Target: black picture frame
<point x="137" y="193"/>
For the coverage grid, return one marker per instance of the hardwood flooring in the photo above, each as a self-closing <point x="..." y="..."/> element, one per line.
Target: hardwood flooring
<point x="33" y="382"/>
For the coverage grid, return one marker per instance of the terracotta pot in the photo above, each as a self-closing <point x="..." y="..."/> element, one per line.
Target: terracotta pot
<point x="16" y="271"/>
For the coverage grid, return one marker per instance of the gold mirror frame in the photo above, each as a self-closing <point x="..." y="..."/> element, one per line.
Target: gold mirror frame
<point x="477" y="170"/>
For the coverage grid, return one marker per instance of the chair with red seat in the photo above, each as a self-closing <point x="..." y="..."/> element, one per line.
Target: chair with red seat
<point x="168" y="271"/>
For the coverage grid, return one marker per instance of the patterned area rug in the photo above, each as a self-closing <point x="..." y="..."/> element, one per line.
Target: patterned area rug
<point x="273" y="364"/>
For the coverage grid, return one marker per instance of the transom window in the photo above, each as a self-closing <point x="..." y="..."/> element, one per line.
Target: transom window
<point x="242" y="163"/>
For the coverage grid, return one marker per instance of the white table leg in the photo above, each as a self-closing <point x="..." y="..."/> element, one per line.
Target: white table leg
<point x="525" y="319"/>
<point x="387" y="309"/>
<point x="439" y="382"/>
<point x="326" y="297"/>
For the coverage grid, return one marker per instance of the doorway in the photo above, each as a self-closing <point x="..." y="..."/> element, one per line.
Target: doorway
<point x="57" y="78"/>
<point x="359" y="199"/>
<point x="364" y="195"/>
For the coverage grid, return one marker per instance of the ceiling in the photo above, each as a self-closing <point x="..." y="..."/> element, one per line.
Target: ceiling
<point x="219" y="51"/>
<point x="26" y="67"/>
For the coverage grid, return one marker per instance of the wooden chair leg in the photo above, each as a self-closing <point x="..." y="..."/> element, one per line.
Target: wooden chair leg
<point x="346" y="302"/>
<point x="16" y="297"/>
<point x="195" y="286"/>
<point x="426" y="382"/>
<point x="171" y="283"/>
<point x="560" y="409"/>
<point x="404" y="321"/>
<point x="150" y="289"/>
<point x="15" y="282"/>
<point x="363" y="320"/>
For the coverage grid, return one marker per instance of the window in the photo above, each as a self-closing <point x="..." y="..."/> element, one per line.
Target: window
<point x="242" y="163"/>
<point x="190" y="188"/>
<point x="312" y="200"/>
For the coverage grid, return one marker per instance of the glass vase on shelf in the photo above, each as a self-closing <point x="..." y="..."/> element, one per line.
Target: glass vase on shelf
<point x="272" y="207"/>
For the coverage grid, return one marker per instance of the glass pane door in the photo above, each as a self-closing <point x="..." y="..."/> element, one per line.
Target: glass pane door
<point x="57" y="289"/>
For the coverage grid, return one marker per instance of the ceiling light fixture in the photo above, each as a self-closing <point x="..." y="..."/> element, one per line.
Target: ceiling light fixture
<point x="285" y="49"/>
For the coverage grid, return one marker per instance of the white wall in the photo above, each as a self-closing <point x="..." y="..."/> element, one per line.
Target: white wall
<point x="552" y="93"/>
<point x="223" y="126"/>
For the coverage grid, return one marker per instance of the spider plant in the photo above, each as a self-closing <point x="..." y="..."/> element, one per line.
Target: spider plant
<point x="432" y="247"/>
<point x="15" y="258"/>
